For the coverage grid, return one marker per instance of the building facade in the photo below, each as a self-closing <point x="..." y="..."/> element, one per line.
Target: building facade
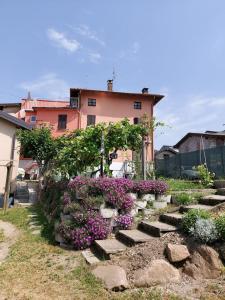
<point x="89" y="107"/>
<point x="200" y="141"/>
<point x="9" y="154"/>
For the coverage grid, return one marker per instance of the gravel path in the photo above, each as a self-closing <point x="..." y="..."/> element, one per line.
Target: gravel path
<point x="11" y="234"/>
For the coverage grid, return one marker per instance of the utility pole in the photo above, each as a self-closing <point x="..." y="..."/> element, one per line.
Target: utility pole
<point x="102" y="152"/>
<point x="143" y="159"/>
<point x="7" y="185"/>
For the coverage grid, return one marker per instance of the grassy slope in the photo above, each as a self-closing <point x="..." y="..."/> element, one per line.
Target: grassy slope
<point x="38" y="269"/>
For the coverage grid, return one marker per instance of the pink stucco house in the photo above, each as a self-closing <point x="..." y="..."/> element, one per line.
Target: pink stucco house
<point x="89" y="107"/>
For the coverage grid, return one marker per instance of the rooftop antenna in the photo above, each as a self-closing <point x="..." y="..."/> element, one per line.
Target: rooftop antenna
<point x="114" y="74"/>
<point x="29" y="96"/>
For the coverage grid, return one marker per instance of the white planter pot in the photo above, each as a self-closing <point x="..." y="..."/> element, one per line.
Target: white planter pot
<point x="164" y="198"/>
<point x="134" y="212"/>
<point x="159" y="204"/>
<point x="140" y="204"/>
<point x="148" y="211"/>
<point x="133" y="196"/>
<point x="108" y="213"/>
<point x="148" y="197"/>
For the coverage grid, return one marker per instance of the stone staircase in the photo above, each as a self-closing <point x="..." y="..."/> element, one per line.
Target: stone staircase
<point x="21" y="193"/>
<point x="147" y="231"/>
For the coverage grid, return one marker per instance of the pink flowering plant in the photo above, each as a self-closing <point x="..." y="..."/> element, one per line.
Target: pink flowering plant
<point x="150" y="187"/>
<point x="124" y="221"/>
<point x="84" y="228"/>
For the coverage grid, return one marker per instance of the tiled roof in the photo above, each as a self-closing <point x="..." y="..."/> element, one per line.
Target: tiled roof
<point x="14" y="120"/>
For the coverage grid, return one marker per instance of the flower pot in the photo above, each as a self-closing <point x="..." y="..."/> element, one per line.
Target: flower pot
<point x="133" y="196"/>
<point x="148" y="197"/>
<point x="108" y="213"/>
<point x="159" y="204"/>
<point x="163" y="198"/>
<point x="140" y="204"/>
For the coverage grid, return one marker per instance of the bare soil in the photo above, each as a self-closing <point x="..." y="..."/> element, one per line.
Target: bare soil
<point x="140" y="256"/>
<point x="11" y="234"/>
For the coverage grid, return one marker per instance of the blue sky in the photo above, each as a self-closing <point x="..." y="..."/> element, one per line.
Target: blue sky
<point x="174" y="47"/>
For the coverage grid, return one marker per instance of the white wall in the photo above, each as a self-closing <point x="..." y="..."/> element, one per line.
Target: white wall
<point x="7" y="132"/>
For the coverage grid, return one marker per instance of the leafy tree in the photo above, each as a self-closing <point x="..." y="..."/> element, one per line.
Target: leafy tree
<point x="39" y="145"/>
<point x="82" y="148"/>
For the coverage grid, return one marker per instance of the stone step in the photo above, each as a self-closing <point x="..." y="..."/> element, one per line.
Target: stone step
<point x="132" y="237"/>
<point x="195" y="206"/>
<point x="221" y="191"/>
<point x="156" y="228"/>
<point x="171" y="218"/>
<point x="107" y="247"/>
<point x="212" y="200"/>
<point x="23" y="204"/>
<point x="90" y="257"/>
<point x="22" y="196"/>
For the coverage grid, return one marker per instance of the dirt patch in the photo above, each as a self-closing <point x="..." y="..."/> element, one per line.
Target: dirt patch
<point x="11" y="234"/>
<point x="140" y="256"/>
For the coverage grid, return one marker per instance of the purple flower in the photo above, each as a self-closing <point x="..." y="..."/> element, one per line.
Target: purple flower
<point x="124" y="221"/>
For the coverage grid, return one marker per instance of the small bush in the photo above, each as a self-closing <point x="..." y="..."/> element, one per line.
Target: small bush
<point x="84" y="228"/>
<point x="204" y="230"/>
<point x="124" y="221"/>
<point x="220" y="226"/>
<point x="150" y="187"/>
<point x="206" y="177"/>
<point x="183" y="199"/>
<point x="191" y="217"/>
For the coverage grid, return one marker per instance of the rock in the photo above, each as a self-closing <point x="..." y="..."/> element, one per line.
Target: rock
<point x="134" y="212"/>
<point x="108" y="213"/>
<point x="158" y="272"/>
<point x="148" y="197"/>
<point x="164" y="198"/>
<point x="176" y="253"/>
<point x="222" y="251"/>
<point x="148" y="211"/>
<point x="204" y="263"/>
<point x="59" y="238"/>
<point x="140" y="204"/>
<point x="133" y="196"/>
<point x="114" y="277"/>
<point x="159" y="204"/>
<point x="65" y="217"/>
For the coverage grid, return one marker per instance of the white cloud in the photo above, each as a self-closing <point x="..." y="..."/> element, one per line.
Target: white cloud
<point x="60" y="40"/>
<point x="130" y="52"/>
<point x="188" y="114"/>
<point x="135" y="47"/>
<point x="85" y="31"/>
<point x="47" y="86"/>
<point x="94" y="57"/>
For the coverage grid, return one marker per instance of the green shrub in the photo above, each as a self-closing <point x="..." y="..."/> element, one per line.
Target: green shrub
<point x="204" y="231"/>
<point x="220" y="226"/>
<point x="206" y="177"/>
<point x="192" y="216"/>
<point x="183" y="199"/>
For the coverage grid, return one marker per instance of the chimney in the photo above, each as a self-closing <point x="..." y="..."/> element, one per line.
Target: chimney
<point x="145" y="91"/>
<point x="110" y="85"/>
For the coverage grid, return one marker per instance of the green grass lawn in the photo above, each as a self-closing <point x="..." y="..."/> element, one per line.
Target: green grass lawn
<point x="38" y="269"/>
<point x="182" y="185"/>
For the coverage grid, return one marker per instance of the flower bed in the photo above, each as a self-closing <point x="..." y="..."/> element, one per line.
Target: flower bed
<point x="89" y="201"/>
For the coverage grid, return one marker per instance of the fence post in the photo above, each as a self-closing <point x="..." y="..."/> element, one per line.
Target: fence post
<point x="222" y="160"/>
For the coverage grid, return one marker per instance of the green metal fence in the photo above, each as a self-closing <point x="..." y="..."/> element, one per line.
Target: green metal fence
<point x="182" y="164"/>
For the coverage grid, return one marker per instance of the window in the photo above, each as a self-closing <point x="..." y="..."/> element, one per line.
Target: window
<point x="91" y="120"/>
<point x="137" y="105"/>
<point x="62" y="121"/>
<point x="33" y="119"/>
<point x="91" y="102"/>
<point x="136" y="120"/>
